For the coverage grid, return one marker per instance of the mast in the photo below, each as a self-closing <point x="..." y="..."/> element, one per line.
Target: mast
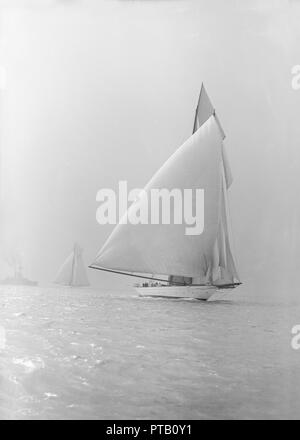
<point x="171" y="278"/>
<point x="73" y="266"/>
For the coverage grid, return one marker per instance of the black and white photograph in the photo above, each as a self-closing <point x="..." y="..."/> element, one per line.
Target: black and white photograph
<point x="149" y="212"/>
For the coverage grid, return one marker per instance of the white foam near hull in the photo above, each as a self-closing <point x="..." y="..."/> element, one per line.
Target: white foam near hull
<point x="196" y="292"/>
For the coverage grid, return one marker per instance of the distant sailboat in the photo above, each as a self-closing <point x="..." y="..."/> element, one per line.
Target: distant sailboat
<point x="72" y="272"/>
<point x="186" y="266"/>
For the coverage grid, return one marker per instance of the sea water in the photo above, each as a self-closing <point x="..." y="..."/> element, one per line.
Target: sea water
<point x="70" y="353"/>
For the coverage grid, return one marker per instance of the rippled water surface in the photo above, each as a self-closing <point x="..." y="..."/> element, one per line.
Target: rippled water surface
<point x="83" y="353"/>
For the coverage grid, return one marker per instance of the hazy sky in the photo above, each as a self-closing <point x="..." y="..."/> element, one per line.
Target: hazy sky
<point x="102" y="91"/>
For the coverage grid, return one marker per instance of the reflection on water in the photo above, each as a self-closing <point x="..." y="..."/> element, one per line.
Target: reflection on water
<point x="71" y="353"/>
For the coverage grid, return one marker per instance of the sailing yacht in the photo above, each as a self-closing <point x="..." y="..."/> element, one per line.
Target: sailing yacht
<point x="171" y="263"/>
<point x="72" y="272"/>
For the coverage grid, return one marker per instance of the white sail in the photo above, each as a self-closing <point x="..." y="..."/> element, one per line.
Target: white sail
<point x="166" y="249"/>
<point x="204" y="111"/>
<point x="161" y="249"/>
<point x="72" y="272"/>
<point x="79" y="274"/>
<point x="64" y="275"/>
<point x="223" y="270"/>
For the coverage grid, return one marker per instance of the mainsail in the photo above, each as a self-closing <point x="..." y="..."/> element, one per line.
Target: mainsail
<point x="72" y="272"/>
<point x="165" y="249"/>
